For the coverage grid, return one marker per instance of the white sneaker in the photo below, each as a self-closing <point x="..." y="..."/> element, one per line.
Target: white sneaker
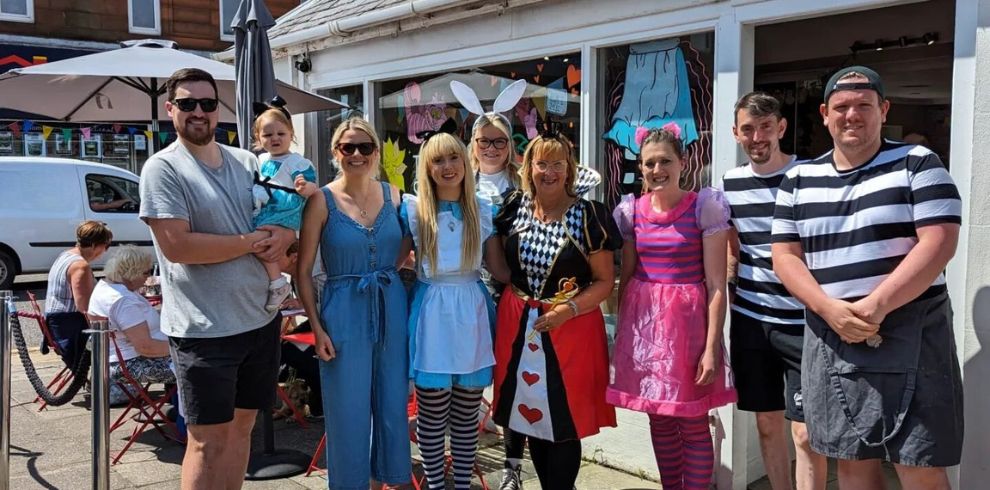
<point x="277" y="294"/>
<point x="511" y="479"/>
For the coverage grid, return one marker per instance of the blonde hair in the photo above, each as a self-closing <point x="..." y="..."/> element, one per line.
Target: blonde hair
<point x="358" y="123"/>
<point x="510" y="164"/>
<point x="439" y="146"/>
<point x="91" y="233"/>
<point x="273" y="113"/>
<point x="541" y="147"/>
<point x="127" y="262"/>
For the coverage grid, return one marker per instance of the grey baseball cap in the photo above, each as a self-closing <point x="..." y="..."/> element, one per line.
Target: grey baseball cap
<point x="873" y="82"/>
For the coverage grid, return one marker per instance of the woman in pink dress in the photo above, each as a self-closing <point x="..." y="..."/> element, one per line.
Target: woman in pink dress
<point x="668" y="360"/>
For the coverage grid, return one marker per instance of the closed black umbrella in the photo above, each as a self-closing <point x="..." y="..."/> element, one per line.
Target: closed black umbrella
<point x="253" y="71"/>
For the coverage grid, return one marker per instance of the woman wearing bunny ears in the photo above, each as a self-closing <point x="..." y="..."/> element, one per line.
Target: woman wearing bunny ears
<point x="668" y="359"/>
<point x="492" y="153"/>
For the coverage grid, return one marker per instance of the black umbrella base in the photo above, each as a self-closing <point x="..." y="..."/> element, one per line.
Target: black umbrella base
<point x="275" y="464"/>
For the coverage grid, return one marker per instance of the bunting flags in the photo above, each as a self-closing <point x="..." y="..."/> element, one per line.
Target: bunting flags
<point x="162" y="136"/>
<point x="230" y="137"/>
<point x="46" y="131"/>
<point x="116" y="128"/>
<point x="15" y="128"/>
<point x="132" y="130"/>
<point x="149" y="135"/>
<point x="27" y="125"/>
<point x="86" y="132"/>
<point x="67" y="134"/>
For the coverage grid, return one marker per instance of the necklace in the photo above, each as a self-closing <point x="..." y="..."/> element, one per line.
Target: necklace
<point x="362" y="207"/>
<point x="548" y="215"/>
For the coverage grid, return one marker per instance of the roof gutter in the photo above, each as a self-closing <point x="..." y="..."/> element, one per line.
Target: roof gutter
<point x="345" y="27"/>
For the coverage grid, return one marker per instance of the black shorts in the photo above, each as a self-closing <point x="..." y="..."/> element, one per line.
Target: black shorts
<point x="217" y="375"/>
<point x="766" y="361"/>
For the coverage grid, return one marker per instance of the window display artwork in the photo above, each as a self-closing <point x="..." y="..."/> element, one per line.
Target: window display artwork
<point x="34" y="145"/>
<point x="6" y="142"/>
<point x="651" y="84"/>
<point x="426" y="102"/>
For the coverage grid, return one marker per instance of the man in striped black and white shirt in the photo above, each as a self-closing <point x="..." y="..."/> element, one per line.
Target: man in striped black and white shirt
<point x="861" y="236"/>
<point x="767" y="323"/>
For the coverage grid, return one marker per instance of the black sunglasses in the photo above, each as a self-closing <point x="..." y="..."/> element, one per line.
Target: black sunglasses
<point x="349" y="148"/>
<point x="189" y="105"/>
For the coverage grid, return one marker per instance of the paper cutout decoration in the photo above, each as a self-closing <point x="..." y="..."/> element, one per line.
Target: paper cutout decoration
<point x="46" y="131"/>
<point x="86" y="132"/>
<point x="540" y="103"/>
<point x="556" y="98"/>
<point x="526" y="113"/>
<point x="656" y="92"/>
<point x="574" y="75"/>
<point x="422" y="117"/>
<point x="393" y="162"/>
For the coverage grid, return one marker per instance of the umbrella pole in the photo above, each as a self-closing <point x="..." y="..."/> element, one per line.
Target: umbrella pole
<point x="154" y="117"/>
<point x="271" y="463"/>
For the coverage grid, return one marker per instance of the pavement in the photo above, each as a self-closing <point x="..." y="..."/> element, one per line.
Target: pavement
<point x="51" y="449"/>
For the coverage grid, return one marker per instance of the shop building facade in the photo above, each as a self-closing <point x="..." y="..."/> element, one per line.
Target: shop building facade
<point x="600" y="68"/>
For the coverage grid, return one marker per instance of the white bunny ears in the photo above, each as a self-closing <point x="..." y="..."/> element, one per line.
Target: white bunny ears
<point x="503" y="103"/>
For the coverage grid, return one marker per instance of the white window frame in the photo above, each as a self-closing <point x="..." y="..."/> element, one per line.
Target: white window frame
<point x="28" y="18"/>
<point x="223" y="35"/>
<point x="157" y="30"/>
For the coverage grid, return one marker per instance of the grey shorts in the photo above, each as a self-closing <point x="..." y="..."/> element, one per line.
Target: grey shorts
<point x="901" y="402"/>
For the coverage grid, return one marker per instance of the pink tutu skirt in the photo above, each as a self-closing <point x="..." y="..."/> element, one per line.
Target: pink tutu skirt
<point x="659" y="342"/>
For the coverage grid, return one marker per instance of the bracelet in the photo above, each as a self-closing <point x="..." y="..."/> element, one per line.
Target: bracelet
<point x="573" y="306"/>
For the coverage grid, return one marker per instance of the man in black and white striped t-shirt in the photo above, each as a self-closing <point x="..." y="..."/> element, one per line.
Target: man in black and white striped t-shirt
<point x="767" y="323"/>
<point x="861" y="236"/>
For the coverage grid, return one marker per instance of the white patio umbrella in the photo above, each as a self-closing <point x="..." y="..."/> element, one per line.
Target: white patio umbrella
<point x="126" y="85"/>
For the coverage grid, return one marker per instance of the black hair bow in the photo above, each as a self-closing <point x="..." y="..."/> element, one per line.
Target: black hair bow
<point x="449" y="126"/>
<point x="276" y="103"/>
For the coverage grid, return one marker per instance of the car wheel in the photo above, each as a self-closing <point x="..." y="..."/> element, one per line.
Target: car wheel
<point x="7" y="271"/>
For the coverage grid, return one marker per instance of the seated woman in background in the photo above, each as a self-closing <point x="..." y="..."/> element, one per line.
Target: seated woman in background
<point x="70" y="283"/>
<point x="134" y="321"/>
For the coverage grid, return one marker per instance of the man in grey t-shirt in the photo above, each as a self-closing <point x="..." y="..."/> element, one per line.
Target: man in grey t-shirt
<point x="196" y="197"/>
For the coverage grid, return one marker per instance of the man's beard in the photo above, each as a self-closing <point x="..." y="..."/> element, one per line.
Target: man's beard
<point x="194" y="136"/>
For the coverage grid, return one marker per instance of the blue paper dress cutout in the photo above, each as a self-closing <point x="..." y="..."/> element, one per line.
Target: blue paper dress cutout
<point x="656" y="92"/>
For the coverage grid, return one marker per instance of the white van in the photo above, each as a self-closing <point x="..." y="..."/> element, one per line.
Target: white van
<point x="43" y="200"/>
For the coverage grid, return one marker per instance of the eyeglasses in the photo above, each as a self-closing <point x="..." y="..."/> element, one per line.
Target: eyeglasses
<point x="189" y="105"/>
<point x="557" y="167"/>
<point x="498" y="143"/>
<point x="349" y="148"/>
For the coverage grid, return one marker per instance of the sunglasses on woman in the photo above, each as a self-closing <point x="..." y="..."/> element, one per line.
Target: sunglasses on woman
<point x="498" y="143"/>
<point x="349" y="148"/>
<point x="189" y="104"/>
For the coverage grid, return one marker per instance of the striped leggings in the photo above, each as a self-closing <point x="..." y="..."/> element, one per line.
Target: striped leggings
<point x="438" y="409"/>
<point x="684" y="451"/>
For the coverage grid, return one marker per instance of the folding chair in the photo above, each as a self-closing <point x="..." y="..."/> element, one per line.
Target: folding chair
<point x="148" y="409"/>
<point x="64" y="376"/>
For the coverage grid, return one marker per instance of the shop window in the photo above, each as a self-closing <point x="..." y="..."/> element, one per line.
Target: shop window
<point x="652" y="84"/>
<point x="108" y="194"/>
<point x="425" y="102"/>
<point x="227" y="10"/>
<point x="17" y="10"/>
<point x="353" y="96"/>
<point x="144" y="17"/>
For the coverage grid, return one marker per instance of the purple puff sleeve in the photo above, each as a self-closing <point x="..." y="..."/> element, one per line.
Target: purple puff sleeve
<point x="623" y="215"/>
<point x="713" y="211"/>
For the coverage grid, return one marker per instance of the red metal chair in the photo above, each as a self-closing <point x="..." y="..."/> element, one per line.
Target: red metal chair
<point x="149" y="409"/>
<point x="64" y="376"/>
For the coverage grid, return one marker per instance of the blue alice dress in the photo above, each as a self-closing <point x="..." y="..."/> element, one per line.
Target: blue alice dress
<point x="279" y="204"/>
<point x="365" y="387"/>
<point x="452" y="315"/>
